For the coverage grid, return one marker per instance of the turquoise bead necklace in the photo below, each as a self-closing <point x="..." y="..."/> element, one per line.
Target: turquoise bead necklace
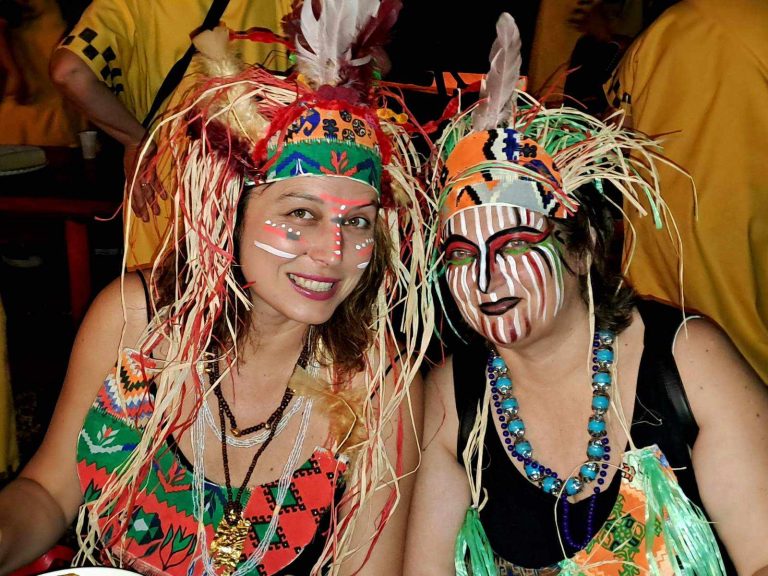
<point x="598" y="448"/>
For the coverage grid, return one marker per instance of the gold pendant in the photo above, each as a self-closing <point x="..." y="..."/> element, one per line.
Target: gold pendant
<point x="227" y="545"/>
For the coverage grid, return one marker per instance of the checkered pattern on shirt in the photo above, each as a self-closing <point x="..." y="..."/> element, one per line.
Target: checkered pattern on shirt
<point x="88" y="42"/>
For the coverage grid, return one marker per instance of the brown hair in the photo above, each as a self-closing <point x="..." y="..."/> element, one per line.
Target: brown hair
<point x="590" y="235"/>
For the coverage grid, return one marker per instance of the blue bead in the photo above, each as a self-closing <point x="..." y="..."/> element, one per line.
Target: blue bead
<point x="595" y="451"/>
<point x="588" y="472"/>
<point x="548" y="484"/>
<point x="600" y="378"/>
<point x="505" y="433"/>
<point x="504" y="384"/>
<point x="596" y="426"/>
<point x="498" y="362"/>
<point x="524" y="448"/>
<point x="507" y="441"/>
<point x="604" y="355"/>
<point x="516" y="425"/>
<point x="499" y="411"/>
<point x="572" y="486"/>
<point x="600" y="402"/>
<point x="509" y="404"/>
<point x="532" y="471"/>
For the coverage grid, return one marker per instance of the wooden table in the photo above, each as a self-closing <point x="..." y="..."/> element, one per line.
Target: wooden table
<point x="71" y="190"/>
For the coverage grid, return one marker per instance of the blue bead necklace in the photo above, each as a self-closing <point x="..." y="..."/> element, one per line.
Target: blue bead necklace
<point x="598" y="448"/>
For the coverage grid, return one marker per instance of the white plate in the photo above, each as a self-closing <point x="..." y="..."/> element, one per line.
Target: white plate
<point x="90" y="571"/>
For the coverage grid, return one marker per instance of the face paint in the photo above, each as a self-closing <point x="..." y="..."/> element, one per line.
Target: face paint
<point x="504" y="269"/>
<point x="342" y="208"/>
<point x="306" y="240"/>
<point x="274" y="251"/>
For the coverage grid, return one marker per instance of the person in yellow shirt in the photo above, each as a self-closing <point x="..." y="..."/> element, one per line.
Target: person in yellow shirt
<point x="699" y="75"/>
<point x="115" y="60"/>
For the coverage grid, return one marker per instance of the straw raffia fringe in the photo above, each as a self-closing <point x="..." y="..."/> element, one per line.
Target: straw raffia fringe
<point x="208" y="192"/>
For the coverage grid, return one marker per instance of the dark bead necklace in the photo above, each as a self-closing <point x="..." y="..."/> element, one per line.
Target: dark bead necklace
<point x="231" y="532"/>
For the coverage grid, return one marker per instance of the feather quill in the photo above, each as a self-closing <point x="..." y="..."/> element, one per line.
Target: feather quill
<point x="497" y="103"/>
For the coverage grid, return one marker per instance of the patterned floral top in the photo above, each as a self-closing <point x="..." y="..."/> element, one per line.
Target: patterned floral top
<point x="161" y="538"/>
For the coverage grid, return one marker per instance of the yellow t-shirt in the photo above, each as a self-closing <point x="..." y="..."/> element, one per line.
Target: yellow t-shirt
<point x="699" y="75"/>
<point x="132" y="45"/>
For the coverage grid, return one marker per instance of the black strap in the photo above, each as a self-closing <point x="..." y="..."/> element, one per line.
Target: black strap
<point x="662" y="323"/>
<point x="177" y="71"/>
<point x="147" y="297"/>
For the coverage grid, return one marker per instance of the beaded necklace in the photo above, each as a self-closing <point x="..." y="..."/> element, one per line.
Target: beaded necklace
<point x="232" y="531"/>
<point x="598" y="448"/>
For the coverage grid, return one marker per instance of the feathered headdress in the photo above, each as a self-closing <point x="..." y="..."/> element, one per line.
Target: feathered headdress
<point x="243" y="125"/>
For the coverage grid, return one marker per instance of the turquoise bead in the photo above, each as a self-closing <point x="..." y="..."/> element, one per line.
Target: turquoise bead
<point x="588" y="472"/>
<point x="600" y="402"/>
<point x="601" y="378"/>
<point x="572" y="486"/>
<point x="509" y="404"/>
<point x="533" y="472"/>
<point x="604" y="355"/>
<point x="503" y="384"/>
<point x="515" y="426"/>
<point x="498" y="363"/>
<point x="548" y="483"/>
<point x="596" y="426"/>
<point x="595" y="450"/>
<point x="524" y="448"/>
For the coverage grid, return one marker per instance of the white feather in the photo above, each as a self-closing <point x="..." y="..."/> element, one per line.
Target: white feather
<point x="330" y="37"/>
<point x="499" y="89"/>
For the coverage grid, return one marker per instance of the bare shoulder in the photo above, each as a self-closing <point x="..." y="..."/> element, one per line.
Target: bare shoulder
<point x="114" y="320"/>
<point x="441" y="422"/>
<point x="713" y="371"/>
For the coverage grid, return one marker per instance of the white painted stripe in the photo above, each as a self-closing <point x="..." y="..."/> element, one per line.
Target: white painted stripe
<point x="273" y="250"/>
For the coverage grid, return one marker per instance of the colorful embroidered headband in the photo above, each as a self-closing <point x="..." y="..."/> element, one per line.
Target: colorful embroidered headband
<point x="509" y="149"/>
<point x="328" y="142"/>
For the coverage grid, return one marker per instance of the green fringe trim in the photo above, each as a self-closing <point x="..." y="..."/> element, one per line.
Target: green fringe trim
<point x="687" y="532"/>
<point x="473" y="553"/>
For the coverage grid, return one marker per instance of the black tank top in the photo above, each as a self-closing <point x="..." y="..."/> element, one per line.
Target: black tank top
<point x="518" y="517"/>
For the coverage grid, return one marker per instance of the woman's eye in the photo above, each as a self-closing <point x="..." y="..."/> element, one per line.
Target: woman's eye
<point x="301" y="214"/>
<point x="358" y="222"/>
<point x="459" y="257"/>
<point x="516" y="246"/>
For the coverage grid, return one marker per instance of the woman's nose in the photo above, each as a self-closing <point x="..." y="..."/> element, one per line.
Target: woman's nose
<point x="327" y="244"/>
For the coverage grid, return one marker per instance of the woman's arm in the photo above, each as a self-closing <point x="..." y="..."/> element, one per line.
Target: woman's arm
<point x="386" y="553"/>
<point x="441" y="496"/>
<point x="730" y="456"/>
<point x="37" y="507"/>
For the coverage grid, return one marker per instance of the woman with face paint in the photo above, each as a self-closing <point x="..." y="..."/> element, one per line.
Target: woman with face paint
<point x="261" y="417"/>
<point x="576" y="430"/>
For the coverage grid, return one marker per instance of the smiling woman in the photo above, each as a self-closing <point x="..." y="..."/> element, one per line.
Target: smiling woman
<point x="262" y="413"/>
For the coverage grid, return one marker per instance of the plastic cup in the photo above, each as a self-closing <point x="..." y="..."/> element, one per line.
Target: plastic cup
<point x="89" y="143"/>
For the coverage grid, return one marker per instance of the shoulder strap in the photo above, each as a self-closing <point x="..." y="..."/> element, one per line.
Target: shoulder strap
<point x="147" y="298"/>
<point x="468" y="387"/>
<point x="177" y="71"/>
<point x="661" y="325"/>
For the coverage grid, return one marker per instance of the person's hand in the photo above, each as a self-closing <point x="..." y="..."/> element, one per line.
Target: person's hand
<point x="144" y="188"/>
